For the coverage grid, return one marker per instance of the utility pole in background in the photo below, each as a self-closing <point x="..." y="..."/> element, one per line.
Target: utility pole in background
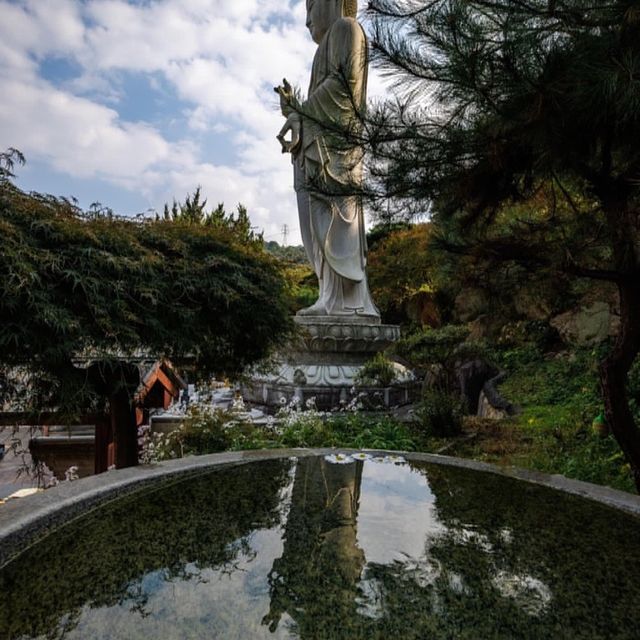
<point x="285" y="234"/>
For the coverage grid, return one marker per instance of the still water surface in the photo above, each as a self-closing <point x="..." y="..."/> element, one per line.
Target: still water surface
<point x="307" y="549"/>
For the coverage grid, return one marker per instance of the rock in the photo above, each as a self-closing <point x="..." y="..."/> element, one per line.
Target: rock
<point x="614" y="325"/>
<point x="485" y="327"/>
<point x="531" y="306"/>
<point x="488" y="411"/>
<point x="588" y="326"/>
<point x="492" y="404"/>
<point x="470" y="303"/>
<point x="471" y="377"/>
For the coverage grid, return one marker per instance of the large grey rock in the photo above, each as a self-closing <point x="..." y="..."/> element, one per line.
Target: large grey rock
<point x="589" y="325"/>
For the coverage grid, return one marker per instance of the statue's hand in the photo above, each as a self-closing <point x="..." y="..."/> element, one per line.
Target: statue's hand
<point x="293" y="125"/>
<point x="287" y="98"/>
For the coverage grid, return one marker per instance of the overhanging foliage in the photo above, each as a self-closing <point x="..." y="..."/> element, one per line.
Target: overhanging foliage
<point x="95" y="287"/>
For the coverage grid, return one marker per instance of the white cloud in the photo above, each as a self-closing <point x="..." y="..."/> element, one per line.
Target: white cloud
<point x="42" y="27"/>
<point x="78" y="136"/>
<point x="220" y="57"/>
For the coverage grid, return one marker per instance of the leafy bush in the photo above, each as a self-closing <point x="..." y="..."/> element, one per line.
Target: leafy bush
<point x="567" y="379"/>
<point x="302" y="284"/>
<point x="205" y="431"/>
<point x="440" y="414"/>
<point x="594" y="459"/>
<point x="82" y="285"/>
<point x="378" y="372"/>
<point x="440" y="348"/>
<point x="536" y="334"/>
<point x="351" y="431"/>
<point x="400" y="266"/>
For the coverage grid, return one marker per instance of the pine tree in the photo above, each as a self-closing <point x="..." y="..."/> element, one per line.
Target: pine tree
<point x="506" y="102"/>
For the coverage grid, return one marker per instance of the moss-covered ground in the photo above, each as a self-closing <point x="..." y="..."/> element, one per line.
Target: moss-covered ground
<point x="558" y="400"/>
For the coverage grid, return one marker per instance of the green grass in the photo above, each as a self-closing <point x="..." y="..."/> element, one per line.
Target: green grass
<point x="559" y="399"/>
<point x="211" y="433"/>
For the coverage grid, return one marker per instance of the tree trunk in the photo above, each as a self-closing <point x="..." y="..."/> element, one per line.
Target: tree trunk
<point x="614" y="372"/>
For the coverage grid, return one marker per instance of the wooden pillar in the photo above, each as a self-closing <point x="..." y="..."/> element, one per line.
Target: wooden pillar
<point x="124" y="429"/>
<point x="103" y="440"/>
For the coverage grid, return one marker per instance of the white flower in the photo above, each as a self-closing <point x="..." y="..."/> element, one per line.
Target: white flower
<point x="361" y="456"/>
<point x="71" y="474"/>
<point x="338" y="458"/>
<point x="311" y="403"/>
<point x="392" y="459"/>
<point x="283" y="401"/>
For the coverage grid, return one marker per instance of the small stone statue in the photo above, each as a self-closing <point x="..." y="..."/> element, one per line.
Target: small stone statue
<point x="327" y="165"/>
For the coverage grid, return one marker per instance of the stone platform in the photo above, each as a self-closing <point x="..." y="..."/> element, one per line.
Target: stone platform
<point x="323" y="360"/>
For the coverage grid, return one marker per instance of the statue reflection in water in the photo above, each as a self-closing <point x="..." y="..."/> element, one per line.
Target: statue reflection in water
<point x="316" y="580"/>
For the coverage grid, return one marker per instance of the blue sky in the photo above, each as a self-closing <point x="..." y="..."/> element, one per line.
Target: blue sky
<point x="132" y="103"/>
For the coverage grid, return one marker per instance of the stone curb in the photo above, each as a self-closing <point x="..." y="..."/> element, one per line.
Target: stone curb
<point x="26" y="521"/>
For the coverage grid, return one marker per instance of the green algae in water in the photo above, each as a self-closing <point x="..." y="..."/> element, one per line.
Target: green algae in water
<point x="313" y="550"/>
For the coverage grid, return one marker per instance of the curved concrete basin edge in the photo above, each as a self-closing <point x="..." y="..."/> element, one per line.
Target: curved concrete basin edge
<point x="26" y="521"/>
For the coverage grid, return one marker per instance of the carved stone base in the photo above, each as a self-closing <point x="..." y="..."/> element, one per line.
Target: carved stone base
<point x="323" y="361"/>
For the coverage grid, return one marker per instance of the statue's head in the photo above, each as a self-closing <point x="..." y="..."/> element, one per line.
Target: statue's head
<point x="321" y="14"/>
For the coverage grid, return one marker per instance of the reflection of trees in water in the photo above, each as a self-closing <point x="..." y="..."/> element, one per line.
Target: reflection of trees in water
<point x="514" y="561"/>
<point x="507" y="560"/>
<point x="315" y="580"/>
<point x="116" y="555"/>
<point x="511" y="560"/>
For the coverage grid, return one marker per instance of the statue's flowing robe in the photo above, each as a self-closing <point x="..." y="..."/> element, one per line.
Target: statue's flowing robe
<point x="328" y="171"/>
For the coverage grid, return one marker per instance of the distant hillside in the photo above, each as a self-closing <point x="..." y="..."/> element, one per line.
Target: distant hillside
<point x="294" y="254"/>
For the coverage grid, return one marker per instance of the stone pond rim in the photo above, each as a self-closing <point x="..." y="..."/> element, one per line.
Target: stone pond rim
<point x="27" y="521"/>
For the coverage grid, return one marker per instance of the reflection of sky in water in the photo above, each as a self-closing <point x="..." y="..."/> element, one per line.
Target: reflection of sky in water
<point x="228" y="602"/>
<point x="396" y="519"/>
<point x="397" y="513"/>
<point x="444" y="562"/>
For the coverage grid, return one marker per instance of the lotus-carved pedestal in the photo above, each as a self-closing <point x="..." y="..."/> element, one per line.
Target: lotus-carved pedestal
<point x="323" y="361"/>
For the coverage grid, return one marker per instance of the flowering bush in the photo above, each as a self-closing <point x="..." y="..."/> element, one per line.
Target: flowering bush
<point x="205" y="430"/>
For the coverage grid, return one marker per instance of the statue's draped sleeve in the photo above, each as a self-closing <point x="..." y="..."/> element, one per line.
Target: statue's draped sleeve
<point x="332" y="164"/>
<point x="337" y="96"/>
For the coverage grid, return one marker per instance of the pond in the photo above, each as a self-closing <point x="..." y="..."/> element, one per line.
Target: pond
<point x="308" y="548"/>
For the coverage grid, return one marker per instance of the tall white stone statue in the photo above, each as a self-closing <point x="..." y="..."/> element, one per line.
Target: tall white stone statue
<point x="327" y="169"/>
